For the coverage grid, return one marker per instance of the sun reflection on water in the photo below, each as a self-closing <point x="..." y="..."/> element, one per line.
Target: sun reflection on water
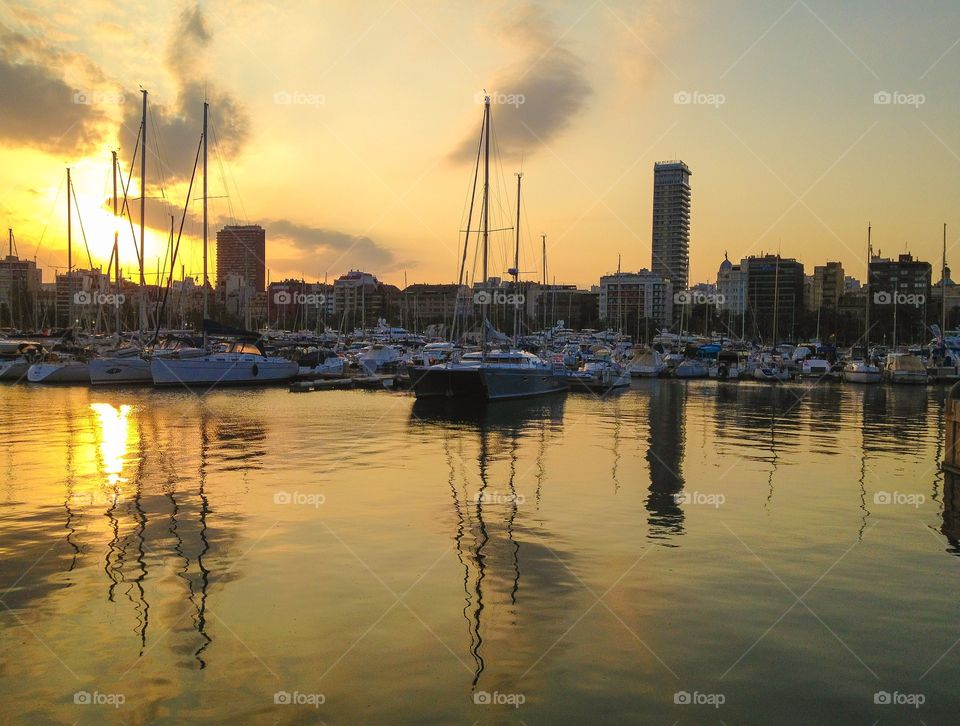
<point x="114" y="432"/>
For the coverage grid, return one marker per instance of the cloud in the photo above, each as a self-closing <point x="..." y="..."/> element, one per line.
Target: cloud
<point x="329" y="249"/>
<point x="174" y="129"/>
<point x="40" y="108"/>
<point x="536" y="99"/>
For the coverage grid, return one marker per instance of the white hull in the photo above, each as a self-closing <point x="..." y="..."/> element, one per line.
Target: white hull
<point x="771" y="374"/>
<point x="862" y="376"/>
<point x="324" y="369"/>
<point x="646" y="371"/>
<point x="222" y="369"/>
<point x="59" y="372"/>
<point x="105" y="371"/>
<point x="13" y="370"/>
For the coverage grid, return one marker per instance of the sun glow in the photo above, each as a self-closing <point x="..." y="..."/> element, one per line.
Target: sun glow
<point x="113" y="435"/>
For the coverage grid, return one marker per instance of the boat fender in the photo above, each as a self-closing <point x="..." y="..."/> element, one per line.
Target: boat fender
<point x="254" y="370"/>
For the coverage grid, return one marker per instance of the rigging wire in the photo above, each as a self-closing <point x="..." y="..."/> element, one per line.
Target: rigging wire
<point x="82" y="230"/>
<point x="53" y="206"/>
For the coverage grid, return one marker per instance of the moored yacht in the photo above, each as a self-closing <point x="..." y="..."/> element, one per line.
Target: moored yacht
<point x="498" y="375"/>
<point x="241" y="363"/>
<point x="61" y="366"/>
<point x="861" y="371"/>
<point x="16" y="358"/>
<point x="904" y="368"/>
<point x="599" y="374"/>
<point x="647" y="365"/>
<point x="132" y="365"/>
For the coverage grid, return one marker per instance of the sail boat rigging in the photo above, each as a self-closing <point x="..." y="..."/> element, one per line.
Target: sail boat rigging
<point x="488" y="374"/>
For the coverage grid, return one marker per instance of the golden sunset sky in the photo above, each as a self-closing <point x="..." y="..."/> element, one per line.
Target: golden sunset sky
<point x="347" y="129"/>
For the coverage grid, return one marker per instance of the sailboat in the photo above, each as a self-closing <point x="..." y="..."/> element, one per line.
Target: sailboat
<point x="770" y="365"/>
<point x="65" y="363"/>
<point x="488" y="375"/>
<point x="861" y="370"/>
<point x="242" y="361"/>
<point x="126" y="365"/>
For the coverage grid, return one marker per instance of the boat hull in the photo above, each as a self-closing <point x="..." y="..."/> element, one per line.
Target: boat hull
<point x="13" y="370"/>
<point x="72" y="372"/>
<point x="245" y="371"/>
<point x="107" y="371"/>
<point x="490" y="384"/>
<point x="862" y="376"/>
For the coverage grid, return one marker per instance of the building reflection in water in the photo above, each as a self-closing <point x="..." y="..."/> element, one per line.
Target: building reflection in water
<point x="665" y="444"/>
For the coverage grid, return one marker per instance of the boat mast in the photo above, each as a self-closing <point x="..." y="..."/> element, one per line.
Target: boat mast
<point x="116" y="246"/>
<point x="776" y="300"/>
<point x="69" y="248"/>
<point x="866" y="326"/>
<point x="205" y="107"/>
<point x="486" y="220"/>
<point x="516" y="267"/>
<point x="943" y="282"/>
<point x="143" y="204"/>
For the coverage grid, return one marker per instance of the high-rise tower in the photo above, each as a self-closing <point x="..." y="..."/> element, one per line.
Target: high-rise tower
<point x="671" y="223"/>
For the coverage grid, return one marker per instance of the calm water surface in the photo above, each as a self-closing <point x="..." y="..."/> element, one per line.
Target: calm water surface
<point x="774" y="554"/>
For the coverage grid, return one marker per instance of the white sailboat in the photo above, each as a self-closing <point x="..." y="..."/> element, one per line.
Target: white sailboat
<point x="61" y="366"/>
<point x="242" y="362"/>
<point x="862" y="370"/>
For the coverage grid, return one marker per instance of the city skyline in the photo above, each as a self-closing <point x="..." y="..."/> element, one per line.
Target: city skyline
<point x="370" y="174"/>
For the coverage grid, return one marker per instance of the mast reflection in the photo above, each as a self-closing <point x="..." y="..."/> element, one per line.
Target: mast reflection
<point x="486" y="512"/>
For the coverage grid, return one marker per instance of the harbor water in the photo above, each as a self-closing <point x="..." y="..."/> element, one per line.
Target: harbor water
<point x="680" y="552"/>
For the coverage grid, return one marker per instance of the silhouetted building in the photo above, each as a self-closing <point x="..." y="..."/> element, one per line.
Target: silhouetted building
<point x="629" y="297"/>
<point x="828" y="285"/>
<point x="774" y="296"/>
<point x="241" y="251"/>
<point x="671" y="223"/>
<point x="899" y="291"/>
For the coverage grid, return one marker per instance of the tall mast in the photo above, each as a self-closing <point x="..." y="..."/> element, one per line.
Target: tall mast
<point x="143" y="206"/>
<point x="116" y="245"/>
<point x="69" y="225"/>
<point x="205" y="107"/>
<point x="486" y="217"/>
<point x="776" y="300"/>
<point x="943" y="282"/>
<point x="516" y="267"/>
<point x="866" y="331"/>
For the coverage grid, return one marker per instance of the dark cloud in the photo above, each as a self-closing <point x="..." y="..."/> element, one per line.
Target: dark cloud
<point x="173" y="130"/>
<point x="537" y="98"/>
<point x="330" y="249"/>
<point x="40" y="108"/>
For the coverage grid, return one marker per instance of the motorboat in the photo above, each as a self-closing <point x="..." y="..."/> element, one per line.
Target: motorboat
<point x="649" y="364"/>
<point x="320" y="362"/>
<point x="599" y="374"/>
<point x="691" y="368"/>
<point x="378" y="357"/>
<point x="904" y="368"/>
<point x="861" y="371"/>
<point x="241" y="362"/>
<point x="772" y="372"/>
<point x="730" y="365"/>
<point x="814" y="368"/>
